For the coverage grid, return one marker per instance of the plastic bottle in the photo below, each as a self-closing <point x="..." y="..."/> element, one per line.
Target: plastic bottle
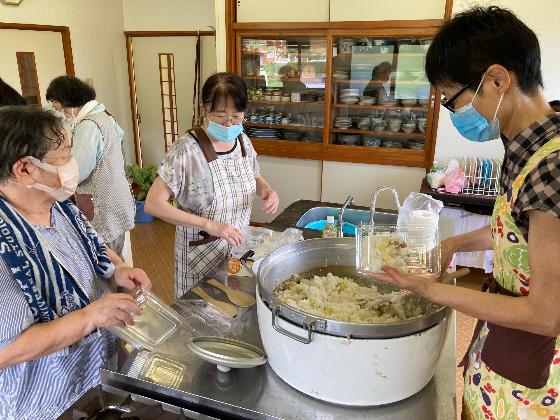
<point x="329" y="231"/>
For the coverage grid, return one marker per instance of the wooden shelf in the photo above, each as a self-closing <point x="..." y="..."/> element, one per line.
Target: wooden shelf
<point x="290" y="103"/>
<point x="356" y="106"/>
<point x="385" y="133"/>
<point x="287" y="148"/>
<point x="392" y="81"/>
<point x="366" y="54"/>
<point x="283" y="127"/>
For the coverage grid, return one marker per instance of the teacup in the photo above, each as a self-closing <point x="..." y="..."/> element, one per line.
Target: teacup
<point x="395" y="124"/>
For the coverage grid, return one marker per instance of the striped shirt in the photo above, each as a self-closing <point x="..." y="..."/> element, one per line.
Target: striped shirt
<point x="46" y="387"/>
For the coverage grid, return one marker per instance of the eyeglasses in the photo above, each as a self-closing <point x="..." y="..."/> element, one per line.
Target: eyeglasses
<point x="223" y="119"/>
<point x="450" y="103"/>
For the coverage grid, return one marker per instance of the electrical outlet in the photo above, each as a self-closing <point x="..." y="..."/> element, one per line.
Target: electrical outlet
<point x="89" y="81"/>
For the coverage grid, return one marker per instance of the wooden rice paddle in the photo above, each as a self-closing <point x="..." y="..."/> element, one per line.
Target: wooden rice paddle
<point x="224" y="307"/>
<point x="235" y="296"/>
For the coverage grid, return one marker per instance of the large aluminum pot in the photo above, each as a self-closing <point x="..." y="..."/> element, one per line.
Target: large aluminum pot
<point x="343" y="363"/>
<point x="338" y="256"/>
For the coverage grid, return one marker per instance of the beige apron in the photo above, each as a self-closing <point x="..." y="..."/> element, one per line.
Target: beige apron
<point x="197" y="253"/>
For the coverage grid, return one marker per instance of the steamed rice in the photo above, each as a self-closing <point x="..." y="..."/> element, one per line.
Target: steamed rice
<point x="342" y="299"/>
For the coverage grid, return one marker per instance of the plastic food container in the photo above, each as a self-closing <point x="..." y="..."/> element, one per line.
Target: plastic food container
<point x="157" y="322"/>
<point x="408" y="249"/>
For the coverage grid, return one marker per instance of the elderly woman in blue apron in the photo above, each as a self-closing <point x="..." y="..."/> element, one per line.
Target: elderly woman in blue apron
<point x="213" y="174"/>
<point x="487" y="64"/>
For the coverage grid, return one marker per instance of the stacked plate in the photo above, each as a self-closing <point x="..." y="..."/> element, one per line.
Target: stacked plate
<point x="364" y="123"/>
<point x="340" y="75"/>
<point x="394" y="144"/>
<point x="370" y="141"/>
<point x="349" y="96"/>
<point x="349" y="139"/>
<point x="366" y="100"/>
<point x="342" y="122"/>
<point x="312" y="138"/>
<point x="416" y="144"/>
<point x="390" y="102"/>
<point x="293" y="135"/>
<point x="264" y="133"/>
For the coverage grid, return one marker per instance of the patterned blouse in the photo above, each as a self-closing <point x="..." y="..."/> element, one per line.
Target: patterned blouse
<point x="185" y="171"/>
<point x="541" y="190"/>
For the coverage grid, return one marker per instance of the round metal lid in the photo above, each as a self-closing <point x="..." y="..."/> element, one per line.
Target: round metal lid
<point x="227" y="353"/>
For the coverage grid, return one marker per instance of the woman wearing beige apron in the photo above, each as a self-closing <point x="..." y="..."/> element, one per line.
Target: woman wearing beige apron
<point x="213" y="174"/>
<point x="487" y="64"/>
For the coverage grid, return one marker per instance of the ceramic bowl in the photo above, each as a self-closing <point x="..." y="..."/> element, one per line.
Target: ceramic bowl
<point x="409" y="127"/>
<point x="408" y="102"/>
<point x="422" y="124"/>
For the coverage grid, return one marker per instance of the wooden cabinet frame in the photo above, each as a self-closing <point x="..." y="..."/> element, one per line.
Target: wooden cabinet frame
<point x="334" y="152"/>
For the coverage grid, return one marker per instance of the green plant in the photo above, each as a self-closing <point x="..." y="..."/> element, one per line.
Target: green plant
<point x="142" y="179"/>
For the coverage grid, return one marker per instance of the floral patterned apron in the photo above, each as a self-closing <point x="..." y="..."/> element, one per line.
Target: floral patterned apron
<point x="489" y="395"/>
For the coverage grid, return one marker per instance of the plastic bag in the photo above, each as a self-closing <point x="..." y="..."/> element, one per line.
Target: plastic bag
<point x="454" y="181"/>
<point x="419" y="208"/>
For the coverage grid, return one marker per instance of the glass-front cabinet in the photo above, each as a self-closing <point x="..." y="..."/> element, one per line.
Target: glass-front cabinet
<point x="340" y="96"/>
<point x="286" y="79"/>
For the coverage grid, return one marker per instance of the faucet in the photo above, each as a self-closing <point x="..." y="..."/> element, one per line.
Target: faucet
<point x="374" y="200"/>
<point x="349" y="201"/>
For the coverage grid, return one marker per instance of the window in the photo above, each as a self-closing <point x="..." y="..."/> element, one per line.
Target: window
<point x="168" y="99"/>
<point x="28" y="77"/>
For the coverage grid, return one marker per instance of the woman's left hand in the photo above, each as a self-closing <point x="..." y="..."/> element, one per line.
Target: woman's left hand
<point x="129" y="277"/>
<point x="271" y="201"/>
<point x="416" y="284"/>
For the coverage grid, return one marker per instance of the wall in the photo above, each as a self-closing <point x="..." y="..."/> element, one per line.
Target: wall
<point x="168" y="15"/>
<point x="148" y="89"/>
<point x="49" y="56"/>
<point x="96" y="30"/>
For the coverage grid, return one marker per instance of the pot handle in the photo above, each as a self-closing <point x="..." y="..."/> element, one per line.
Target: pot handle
<point x="306" y="325"/>
<point x="243" y="259"/>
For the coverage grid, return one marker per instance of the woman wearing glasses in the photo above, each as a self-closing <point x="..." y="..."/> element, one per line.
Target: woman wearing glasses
<point x="487" y="64"/>
<point x="213" y="174"/>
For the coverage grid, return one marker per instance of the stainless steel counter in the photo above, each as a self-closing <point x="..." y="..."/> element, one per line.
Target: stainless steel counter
<point x="178" y="377"/>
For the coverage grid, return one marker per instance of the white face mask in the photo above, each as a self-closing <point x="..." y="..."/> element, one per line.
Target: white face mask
<point x="68" y="174"/>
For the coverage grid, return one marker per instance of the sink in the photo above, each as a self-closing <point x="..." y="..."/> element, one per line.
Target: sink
<point x="356" y="217"/>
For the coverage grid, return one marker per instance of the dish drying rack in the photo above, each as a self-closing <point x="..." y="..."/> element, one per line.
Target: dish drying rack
<point x="483" y="176"/>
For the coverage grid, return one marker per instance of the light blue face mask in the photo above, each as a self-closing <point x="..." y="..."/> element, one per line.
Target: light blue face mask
<point x="472" y="125"/>
<point x="223" y="133"/>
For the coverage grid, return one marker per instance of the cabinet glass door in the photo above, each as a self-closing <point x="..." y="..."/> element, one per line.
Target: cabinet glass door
<point x="380" y="94"/>
<point x="286" y="79"/>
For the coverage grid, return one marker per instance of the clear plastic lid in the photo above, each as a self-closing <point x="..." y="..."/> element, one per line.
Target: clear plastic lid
<point x="408" y="249"/>
<point x="153" y="326"/>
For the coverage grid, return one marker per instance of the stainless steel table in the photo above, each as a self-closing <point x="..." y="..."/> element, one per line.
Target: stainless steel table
<point x="204" y="392"/>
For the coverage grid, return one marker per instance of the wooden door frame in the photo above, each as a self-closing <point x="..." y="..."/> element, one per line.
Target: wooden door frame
<point x="129" y="35"/>
<point x="64" y="33"/>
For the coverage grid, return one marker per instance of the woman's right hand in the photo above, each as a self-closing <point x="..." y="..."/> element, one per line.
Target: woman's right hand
<point x="226" y="231"/>
<point x="448" y="249"/>
<point x="111" y="310"/>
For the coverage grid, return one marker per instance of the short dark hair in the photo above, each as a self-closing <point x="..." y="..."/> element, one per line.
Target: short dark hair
<point x="223" y="86"/>
<point x="70" y="91"/>
<point x="9" y="96"/>
<point x="26" y="131"/>
<point x="475" y="39"/>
